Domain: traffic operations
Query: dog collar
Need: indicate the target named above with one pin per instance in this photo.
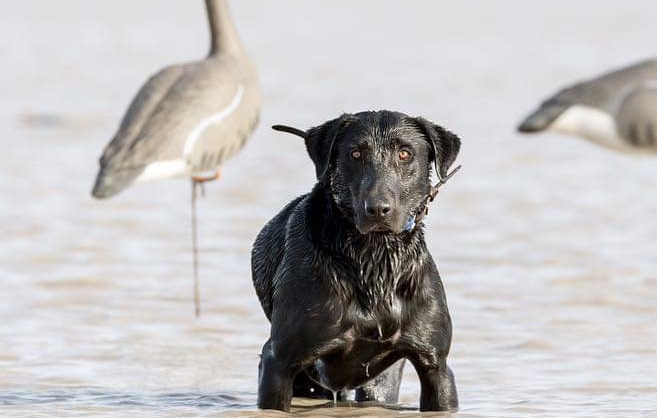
(413, 220)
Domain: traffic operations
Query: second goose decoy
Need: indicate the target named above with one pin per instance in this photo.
(617, 110)
(187, 120)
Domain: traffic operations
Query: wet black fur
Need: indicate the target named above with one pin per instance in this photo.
(348, 295)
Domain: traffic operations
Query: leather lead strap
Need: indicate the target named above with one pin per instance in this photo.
(433, 193)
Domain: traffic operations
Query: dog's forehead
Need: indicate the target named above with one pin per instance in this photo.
(380, 129)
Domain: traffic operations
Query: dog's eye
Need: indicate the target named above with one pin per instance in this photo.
(355, 154)
(405, 155)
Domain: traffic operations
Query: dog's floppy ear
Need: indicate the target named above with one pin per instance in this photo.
(444, 144)
(319, 141)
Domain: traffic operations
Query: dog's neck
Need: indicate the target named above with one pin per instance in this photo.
(384, 265)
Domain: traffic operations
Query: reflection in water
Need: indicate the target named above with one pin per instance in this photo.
(239, 404)
(80, 398)
(546, 244)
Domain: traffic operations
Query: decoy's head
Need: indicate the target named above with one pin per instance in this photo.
(377, 165)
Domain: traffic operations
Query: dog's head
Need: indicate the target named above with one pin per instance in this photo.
(378, 164)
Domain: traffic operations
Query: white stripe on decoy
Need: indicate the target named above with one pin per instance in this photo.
(193, 137)
(160, 170)
(617, 110)
(188, 119)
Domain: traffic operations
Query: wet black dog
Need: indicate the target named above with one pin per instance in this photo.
(344, 275)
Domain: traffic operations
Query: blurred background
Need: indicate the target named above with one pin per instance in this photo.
(546, 244)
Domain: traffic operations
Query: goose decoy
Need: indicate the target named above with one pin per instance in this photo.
(617, 110)
(187, 120)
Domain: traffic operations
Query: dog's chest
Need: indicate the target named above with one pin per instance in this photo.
(375, 323)
(380, 276)
(379, 267)
(365, 341)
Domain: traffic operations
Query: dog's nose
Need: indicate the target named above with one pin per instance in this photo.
(377, 209)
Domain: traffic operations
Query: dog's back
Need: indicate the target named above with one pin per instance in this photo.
(267, 254)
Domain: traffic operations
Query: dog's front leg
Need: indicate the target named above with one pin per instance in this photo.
(438, 391)
(275, 381)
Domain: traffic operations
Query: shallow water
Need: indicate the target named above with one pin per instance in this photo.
(546, 244)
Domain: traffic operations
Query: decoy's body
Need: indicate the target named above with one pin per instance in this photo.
(617, 110)
(188, 119)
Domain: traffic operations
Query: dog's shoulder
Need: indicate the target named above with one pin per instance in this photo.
(274, 231)
(268, 251)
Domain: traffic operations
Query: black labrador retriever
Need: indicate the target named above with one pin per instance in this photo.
(344, 275)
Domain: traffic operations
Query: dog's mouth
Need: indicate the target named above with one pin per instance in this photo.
(368, 227)
(380, 228)
(395, 225)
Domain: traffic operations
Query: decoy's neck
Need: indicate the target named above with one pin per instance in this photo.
(223, 36)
